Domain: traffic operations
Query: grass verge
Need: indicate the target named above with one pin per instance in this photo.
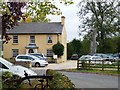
(95, 71)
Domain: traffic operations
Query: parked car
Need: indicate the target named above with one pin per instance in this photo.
(39, 55)
(14, 69)
(89, 57)
(116, 56)
(104, 56)
(94, 59)
(33, 59)
(74, 57)
(85, 57)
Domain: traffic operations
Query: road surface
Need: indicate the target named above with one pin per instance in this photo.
(83, 80)
(87, 80)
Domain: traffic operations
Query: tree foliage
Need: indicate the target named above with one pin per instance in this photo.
(100, 21)
(70, 50)
(100, 16)
(11, 14)
(58, 49)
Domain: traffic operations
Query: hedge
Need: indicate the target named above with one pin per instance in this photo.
(60, 81)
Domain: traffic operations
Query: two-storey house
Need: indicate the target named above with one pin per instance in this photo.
(36, 38)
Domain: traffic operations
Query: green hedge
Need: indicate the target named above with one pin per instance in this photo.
(60, 81)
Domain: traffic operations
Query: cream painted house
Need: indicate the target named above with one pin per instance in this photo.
(36, 38)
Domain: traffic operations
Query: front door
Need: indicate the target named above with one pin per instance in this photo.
(30, 51)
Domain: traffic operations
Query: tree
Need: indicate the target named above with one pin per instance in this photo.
(58, 49)
(70, 50)
(74, 47)
(85, 49)
(11, 14)
(99, 18)
(77, 46)
(109, 45)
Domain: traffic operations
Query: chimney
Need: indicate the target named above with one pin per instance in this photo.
(62, 20)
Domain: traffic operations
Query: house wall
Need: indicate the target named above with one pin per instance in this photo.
(41, 42)
(24, 40)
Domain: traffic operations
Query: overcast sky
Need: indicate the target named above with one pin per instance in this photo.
(71, 19)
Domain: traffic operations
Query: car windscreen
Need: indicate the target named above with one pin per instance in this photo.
(5, 61)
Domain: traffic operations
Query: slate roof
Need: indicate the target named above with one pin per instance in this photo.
(37, 28)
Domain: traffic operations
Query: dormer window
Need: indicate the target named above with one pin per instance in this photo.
(49, 39)
(32, 39)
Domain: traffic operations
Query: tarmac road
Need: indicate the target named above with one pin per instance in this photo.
(86, 81)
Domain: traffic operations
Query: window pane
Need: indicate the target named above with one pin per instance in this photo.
(49, 39)
(15, 52)
(32, 39)
(15, 39)
(49, 53)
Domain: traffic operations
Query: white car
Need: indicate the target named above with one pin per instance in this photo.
(40, 55)
(33, 59)
(94, 59)
(14, 69)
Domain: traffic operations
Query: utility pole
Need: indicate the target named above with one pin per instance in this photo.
(1, 36)
(2, 44)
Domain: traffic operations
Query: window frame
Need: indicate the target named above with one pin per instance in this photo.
(49, 53)
(32, 40)
(14, 55)
(49, 39)
(15, 39)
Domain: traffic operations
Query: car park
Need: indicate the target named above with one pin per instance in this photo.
(14, 69)
(33, 59)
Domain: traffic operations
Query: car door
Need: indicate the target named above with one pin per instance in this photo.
(31, 59)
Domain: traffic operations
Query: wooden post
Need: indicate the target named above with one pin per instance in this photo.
(102, 65)
(89, 65)
(78, 64)
(118, 65)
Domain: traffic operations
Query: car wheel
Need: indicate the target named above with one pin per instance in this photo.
(37, 64)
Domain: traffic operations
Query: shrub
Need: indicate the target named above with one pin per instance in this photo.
(60, 81)
(9, 81)
(58, 49)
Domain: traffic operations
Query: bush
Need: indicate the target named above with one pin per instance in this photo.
(60, 81)
(58, 49)
(9, 81)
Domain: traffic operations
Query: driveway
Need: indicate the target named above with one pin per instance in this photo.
(65, 65)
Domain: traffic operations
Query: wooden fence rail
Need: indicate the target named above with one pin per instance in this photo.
(99, 64)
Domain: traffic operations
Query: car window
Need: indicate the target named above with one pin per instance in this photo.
(30, 58)
(39, 55)
(22, 57)
(95, 57)
(19, 57)
(3, 66)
